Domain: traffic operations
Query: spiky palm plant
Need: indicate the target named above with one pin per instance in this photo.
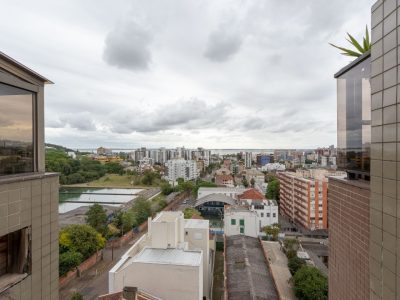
(366, 45)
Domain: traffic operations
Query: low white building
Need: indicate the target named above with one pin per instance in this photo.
(240, 220)
(273, 167)
(230, 192)
(267, 212)
(180, 168)
(171, 261)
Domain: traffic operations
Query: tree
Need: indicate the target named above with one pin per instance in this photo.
(272, 231)
(114, 168)
(310, 284)
(245, 182)
(273, 189)
(291, 253)
(166, 188)
(149, 177)
(96, 217)
(189, 212)
(141, 210)
(294, 264)
(124, 220)
(252, 182)
(80, 238)
(69, 260)
(76, 296)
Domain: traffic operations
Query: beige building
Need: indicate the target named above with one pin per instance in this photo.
(385, 152)
(173, 260)
(28, 196)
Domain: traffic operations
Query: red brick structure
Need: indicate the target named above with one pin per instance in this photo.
(348, 211)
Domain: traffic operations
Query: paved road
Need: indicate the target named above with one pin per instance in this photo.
(94, 282)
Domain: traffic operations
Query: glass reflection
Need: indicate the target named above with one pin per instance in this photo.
(354, 118)
(16, 130)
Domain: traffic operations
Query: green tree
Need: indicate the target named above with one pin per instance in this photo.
(69, 260)
(166, 188)
(291, 253)
(124, 220)
(294, 264)
(96, 217)
(141, 210)
(114, 168)
(252, 182)
(310, 284)
(186, 186)
(359, 49)
(83, 239)
(245, 182)
(272, 231)
(273, 190)
(149, 178)
(189, 212)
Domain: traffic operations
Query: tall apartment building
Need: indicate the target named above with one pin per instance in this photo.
(304, 199)
(180, 168)
(348, 199)
(28, 195)
(385, 152)
(248, 159)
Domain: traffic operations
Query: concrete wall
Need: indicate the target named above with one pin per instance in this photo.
(198, 239)
(385, 152)
(33, 203)
(178, 282)
(348, 239)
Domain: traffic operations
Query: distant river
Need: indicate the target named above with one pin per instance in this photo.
(88, 196)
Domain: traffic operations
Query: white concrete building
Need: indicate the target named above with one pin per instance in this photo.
(173, 260)
(230, 192)
(240, 220)
(267, 212)
(248, 159)
(180, 168)
(273, 167)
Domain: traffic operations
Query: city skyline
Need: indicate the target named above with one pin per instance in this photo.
(220, 76)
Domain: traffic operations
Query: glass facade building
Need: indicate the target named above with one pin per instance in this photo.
(354, 117)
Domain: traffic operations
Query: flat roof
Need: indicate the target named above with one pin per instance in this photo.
(353, 63)
(168, 256)
(23, 67)
(223, 189)
(248, 276)
(197, 223)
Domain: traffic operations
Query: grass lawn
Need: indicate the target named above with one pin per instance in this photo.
(115, 180)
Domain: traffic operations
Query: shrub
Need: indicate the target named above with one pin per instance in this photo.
(294, 264)
(189, 212)
(310, 284)
(96, 217)
(76, 296)
(291, 253)
(81, 238)
(69, 260)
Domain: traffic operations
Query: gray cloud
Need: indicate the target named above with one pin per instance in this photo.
(222, 44)
(184, 114)
(82, 121)
(127, 46)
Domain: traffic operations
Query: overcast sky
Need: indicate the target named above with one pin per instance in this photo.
(217, 74)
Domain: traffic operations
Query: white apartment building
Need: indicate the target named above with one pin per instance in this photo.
(267, 212)
(248, 159)
(171, 261)
(180, 168)
(273, 167)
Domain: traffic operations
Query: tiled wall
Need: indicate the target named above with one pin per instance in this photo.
(348, 209)
(34, 202)
(385, 152)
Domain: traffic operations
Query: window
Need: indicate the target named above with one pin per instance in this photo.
(233, 221)
(16, 130)
(15, 262)
(268, 214)
(262, 215)
(241, 230)
(274, 215)
(242, 222)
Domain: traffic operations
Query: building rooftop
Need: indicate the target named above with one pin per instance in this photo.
(215, 197)
(236, 190)
(248, 276)
(197, 223)
(168, 256)
(252, 194)
(167, 216)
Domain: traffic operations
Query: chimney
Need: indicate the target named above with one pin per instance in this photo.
(130, 293)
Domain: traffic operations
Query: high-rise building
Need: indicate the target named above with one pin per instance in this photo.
(304, 199)
(349, 214)
(248, 159)
(180, 168)
(28, 195)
